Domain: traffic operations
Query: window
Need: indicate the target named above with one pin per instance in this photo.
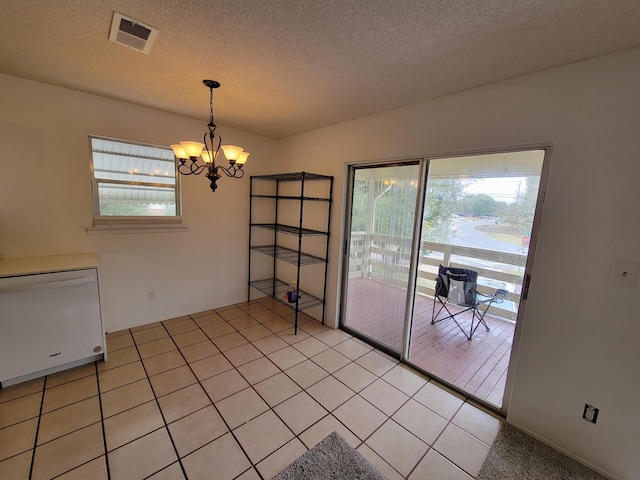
(134, 186)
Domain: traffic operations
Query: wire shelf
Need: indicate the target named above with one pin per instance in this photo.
(289, 230)
(292, 177)
(292, 197)
(278, 289)
(267, 200)
(287, 255)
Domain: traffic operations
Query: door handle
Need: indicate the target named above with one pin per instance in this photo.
(45, 285)
(525, 286)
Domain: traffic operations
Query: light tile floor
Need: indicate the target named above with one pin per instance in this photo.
(232, 393)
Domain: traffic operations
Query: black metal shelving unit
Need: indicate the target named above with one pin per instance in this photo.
(273, 286)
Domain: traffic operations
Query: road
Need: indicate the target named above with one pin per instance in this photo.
(465, 234)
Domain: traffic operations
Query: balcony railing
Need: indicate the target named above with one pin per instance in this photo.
(386, 258)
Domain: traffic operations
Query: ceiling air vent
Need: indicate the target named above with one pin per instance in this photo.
(131, 33)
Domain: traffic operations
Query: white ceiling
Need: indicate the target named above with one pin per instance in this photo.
(288, 66)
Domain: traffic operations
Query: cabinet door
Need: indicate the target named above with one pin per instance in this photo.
(48, 320)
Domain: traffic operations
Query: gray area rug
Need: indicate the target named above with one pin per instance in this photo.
(332, 458)
(517, 456)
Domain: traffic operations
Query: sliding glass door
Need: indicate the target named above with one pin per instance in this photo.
(383, 205)
(474, 213)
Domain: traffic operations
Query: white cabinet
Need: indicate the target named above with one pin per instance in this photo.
(49, 320)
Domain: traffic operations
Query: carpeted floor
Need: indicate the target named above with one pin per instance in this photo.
(517, 456)
(331, 459)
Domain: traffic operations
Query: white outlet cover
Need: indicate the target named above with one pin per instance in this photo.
(624, 273)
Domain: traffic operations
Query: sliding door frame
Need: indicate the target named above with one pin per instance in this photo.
(424, 162)
(351, 169)
(414, 259)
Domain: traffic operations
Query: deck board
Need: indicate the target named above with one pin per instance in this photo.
(478, 367)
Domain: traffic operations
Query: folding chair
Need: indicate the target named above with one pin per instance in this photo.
(459, 287)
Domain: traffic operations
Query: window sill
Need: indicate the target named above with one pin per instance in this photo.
(118, 225)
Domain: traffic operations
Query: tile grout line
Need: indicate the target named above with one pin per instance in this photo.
(272, 408)
(104, 433)
(35, 440)
(253, 466)
(389, 417)
(252, 387)
(358, 394)
(432, 447)
(329, 347)
(263, 355)
(212, 404)
(155, 397)
(68, 433)
(466, 399)
(88, 461)
(236, 368)
(329, 413)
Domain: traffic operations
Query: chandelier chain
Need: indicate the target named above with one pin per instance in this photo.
(211, 104)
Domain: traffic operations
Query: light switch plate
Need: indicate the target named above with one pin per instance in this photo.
(624, 273)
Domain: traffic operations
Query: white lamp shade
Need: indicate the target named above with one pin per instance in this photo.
(193, 149)
(179, 151)
(242, 158)
(232, 152)
(207, 156)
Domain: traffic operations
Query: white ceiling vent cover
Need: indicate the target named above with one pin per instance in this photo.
(131, 33)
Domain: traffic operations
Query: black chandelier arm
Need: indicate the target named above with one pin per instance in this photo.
(211, 137)
(233, 171)
(191, 169)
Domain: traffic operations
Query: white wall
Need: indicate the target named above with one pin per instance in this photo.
(580, 334)
(46, 203)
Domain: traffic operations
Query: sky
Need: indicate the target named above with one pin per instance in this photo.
(503, 189)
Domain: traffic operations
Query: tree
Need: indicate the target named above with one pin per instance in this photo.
(360, 204)
(395, 209)
(519, 215)
(441, 203)
(392, 205)
(478, 205)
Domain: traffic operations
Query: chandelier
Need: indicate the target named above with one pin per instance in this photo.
(188, 151)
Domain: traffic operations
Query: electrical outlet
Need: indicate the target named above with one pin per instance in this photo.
(590, 413)
(624, 274)
(151, 295)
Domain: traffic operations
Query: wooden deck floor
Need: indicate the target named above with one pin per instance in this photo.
(478, 367)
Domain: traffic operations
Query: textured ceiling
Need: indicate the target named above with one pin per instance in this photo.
(288, 66)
